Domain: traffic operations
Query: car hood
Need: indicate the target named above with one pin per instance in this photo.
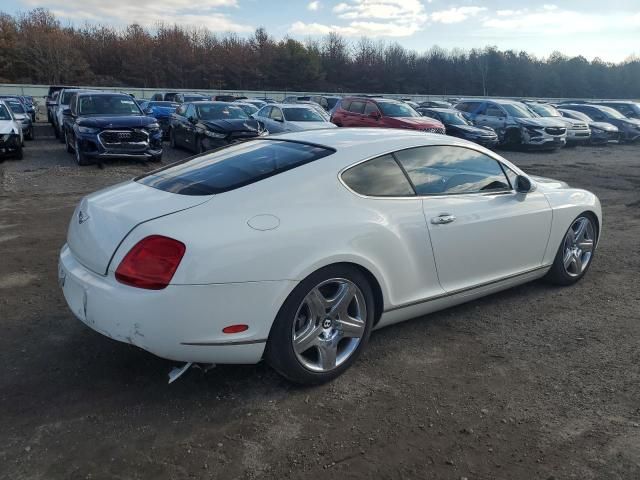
(541, 122)
(413, 122)
(233, 125)
(310, 125)
(545, 184)
(471, 129)
(126, 121)
(8, 126)
(632, 121)
(569, 122)
(607, 127)
(21, 116)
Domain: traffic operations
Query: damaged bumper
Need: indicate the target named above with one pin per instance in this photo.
(180, 322)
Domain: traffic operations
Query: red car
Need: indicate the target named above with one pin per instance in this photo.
(382, 112)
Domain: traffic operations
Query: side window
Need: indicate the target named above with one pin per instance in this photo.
(181, 110)
(494, 111)
(511, 175)
(380, 177)
(191, 111)
(370, 108)
(276, 114)
(447, 170)
(73, 104)
(463, 107)
(345, 105)
(356, 106)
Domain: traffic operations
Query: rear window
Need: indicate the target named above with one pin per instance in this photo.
(233, 167)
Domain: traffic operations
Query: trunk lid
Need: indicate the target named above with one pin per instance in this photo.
(103, 219)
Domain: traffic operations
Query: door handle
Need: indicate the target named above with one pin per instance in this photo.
(443, 219)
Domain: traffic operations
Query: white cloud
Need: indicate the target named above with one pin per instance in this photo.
(373, 18)
(456, 14)
(200, 13)
(314, 6)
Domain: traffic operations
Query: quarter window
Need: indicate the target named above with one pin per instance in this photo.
(440, 170)
(276, 114)
(380, 177)
(370, 108)
(493, 111)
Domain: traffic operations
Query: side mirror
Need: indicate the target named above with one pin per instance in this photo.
(375, 115)
(148, 111)
(523, 184)
(66, 112)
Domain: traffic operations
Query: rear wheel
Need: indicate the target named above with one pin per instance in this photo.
(323, 326)
(67, 142)
(512, 137)
(18, 155)
(575, 252)
(156, 158)
(172, 139)
(30, 136)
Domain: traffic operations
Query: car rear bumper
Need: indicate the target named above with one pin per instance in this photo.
(180, 322)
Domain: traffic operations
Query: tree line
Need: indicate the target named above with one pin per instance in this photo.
(36, 48)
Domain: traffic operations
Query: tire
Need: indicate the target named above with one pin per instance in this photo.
(156, 158)
(57, 134)
(31, 135)
(81, 158)
(67, 143)
(512, 138)
(172, 139)
(19, 154)
(199, 146)
(576, 251)
(327, 341)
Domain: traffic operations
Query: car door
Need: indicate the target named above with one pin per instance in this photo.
(355, 115)
(190, 127)
(277, 120)
(481, 229)
(491, 115)
(178, 120)
(371, 116)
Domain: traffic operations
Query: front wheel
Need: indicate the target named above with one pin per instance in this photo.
(172, 139)
(81, 158)
(575, 252)
(323, 326)
(19, 155)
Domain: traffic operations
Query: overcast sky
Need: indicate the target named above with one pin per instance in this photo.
(607, 29)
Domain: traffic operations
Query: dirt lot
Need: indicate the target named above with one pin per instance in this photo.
(538, 382)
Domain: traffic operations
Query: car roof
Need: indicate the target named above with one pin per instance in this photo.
(441, 109)
(369, 141)
(101, 92)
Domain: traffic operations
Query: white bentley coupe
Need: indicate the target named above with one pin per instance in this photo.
(294, 248)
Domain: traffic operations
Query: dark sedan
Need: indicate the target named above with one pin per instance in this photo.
(104, 125)
(458, 126)
(161, 111)
(629, 127)
(202, 126)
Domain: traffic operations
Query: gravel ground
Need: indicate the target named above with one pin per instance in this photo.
(537, 382)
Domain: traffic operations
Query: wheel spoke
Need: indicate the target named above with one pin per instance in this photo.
(339, 304)
(350, 327)
(328, 352)
(577, 258)
(585, 245)
(582, 228)
(307, 339)
(568, 259)
(317, 304)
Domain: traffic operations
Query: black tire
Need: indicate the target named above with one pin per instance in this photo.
(172, 139)
(19, 154)
(558, 273)
(199, 146)
(512, 138)
(31, 135)
(81, 158)
(279, 351)
(56, 133)
(67, 143)
(156, 158)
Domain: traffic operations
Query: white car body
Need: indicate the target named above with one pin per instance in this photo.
(286, 125)
(10, 127)
(248, 248)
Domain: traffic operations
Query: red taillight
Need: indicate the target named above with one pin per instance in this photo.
(151, 263)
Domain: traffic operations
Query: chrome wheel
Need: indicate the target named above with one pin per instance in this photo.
(329, 324)
(578, 246)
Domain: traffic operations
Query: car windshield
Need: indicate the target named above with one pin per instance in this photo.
(299, 114)
(577, 115)
(4, 113)
(516, 110)
(233, 167)
(397, 109)
(213, 111)
(544, 110)
(107, 105)
(331, 102)
(248, 108)
(16, 106)
(163, 104)
(66, 98)
(452, 118)
(611, 112)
